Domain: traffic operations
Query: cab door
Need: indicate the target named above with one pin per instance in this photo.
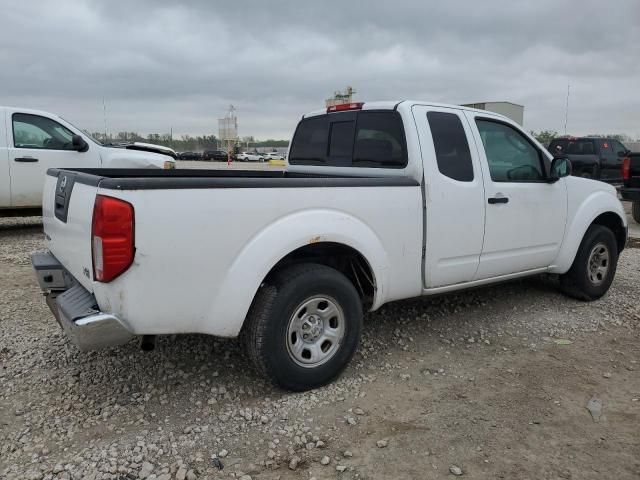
(525, 214)
(5, 181)
(610, 163)
(454, 196)
(37, 143)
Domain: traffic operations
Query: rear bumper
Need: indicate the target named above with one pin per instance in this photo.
(630, 194)
(76, 309)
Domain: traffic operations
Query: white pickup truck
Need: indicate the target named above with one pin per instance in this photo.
(379, 202)
(32, 141)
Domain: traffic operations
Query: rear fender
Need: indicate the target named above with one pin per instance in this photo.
(263, 251)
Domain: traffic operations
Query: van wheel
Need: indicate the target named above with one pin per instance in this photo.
(594, 267)
(303, 326)
(635, 211)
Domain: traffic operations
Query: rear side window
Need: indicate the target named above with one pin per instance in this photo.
(366, 139)
(451, 146)
(572, 147)
(380, 141)
(309, 146)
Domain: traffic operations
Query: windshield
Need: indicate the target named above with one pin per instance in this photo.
(84, 132)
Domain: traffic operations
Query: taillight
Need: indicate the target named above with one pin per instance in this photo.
(112, 237)
(345, 106)
(626, 168)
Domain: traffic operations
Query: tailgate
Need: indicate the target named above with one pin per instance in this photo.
(634, 173)
(67, 212)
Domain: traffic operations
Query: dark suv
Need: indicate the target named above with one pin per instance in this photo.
(592, 157)
(216, 155)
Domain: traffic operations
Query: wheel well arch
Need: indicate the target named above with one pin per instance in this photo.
(347, 260)
(614, 223)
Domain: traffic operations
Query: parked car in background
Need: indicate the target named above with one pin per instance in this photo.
(362, 216)
(249, 157)
(273, 156)
(592, 157)
(32, 141)
(215, 155)
(189, 156)
(630, 190)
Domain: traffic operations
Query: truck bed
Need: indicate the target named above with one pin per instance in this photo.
(205, 239)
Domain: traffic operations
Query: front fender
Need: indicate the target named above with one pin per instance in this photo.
(270, 245)
(594, 205)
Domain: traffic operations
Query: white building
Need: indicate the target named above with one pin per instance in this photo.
(510, 110)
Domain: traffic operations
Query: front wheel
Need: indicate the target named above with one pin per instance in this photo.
(594, 267)
(304, 326)
(635, 211)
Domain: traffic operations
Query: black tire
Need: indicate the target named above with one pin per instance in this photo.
(266, 330)
(580, 281)
(635, 211)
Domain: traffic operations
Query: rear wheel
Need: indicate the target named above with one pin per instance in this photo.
(635, 211)
(304, 326)
(594, 267)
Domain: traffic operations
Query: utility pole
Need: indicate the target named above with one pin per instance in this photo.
(104, 116)
(566, 110)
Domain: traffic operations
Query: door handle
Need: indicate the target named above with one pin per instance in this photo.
(25, 159)
(494, 200)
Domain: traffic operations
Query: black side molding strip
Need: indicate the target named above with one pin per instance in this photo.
(151, 179)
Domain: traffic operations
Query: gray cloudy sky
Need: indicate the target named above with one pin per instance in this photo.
(162, 64)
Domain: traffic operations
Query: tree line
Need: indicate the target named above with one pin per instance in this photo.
(184, 143)
(188, 143)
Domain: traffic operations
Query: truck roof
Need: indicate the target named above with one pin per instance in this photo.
(31, 111)
(393, 105)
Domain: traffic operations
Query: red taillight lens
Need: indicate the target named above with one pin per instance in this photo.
(626, 168)
(112, 234)
(345, 106)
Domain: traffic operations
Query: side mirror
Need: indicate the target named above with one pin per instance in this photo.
(79, 144)
(560, 167)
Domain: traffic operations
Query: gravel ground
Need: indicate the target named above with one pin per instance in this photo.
(491, 383)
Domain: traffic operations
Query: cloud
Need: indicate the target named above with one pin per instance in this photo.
(162, 65)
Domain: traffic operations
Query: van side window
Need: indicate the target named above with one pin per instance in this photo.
(452, 148)
(34, 131)
(511, 157)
